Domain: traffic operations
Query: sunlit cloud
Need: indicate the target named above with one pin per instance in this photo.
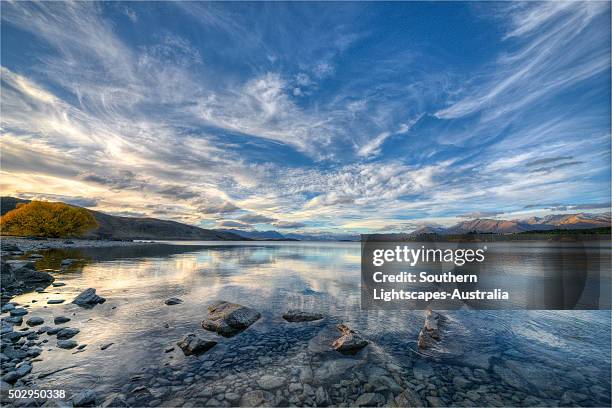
(339, 129)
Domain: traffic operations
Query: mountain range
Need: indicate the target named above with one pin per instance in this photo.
(549, 222)
(128, 228)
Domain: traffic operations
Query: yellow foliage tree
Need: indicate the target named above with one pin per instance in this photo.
(45, 219)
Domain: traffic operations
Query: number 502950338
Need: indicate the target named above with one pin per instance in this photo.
(15, 394)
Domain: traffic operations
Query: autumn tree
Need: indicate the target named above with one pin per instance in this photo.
(45, 219)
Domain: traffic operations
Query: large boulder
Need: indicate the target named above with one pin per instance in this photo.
(430, 333)
(7, 276)
(22, 275)
(88, 298)
(194, 344)
(350, 342)
(229, 319)
(301, 316)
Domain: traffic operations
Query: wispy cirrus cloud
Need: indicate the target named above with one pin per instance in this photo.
(304, 133)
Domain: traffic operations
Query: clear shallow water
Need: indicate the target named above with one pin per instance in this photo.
(521, 358)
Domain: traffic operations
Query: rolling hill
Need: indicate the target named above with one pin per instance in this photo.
(129, 228)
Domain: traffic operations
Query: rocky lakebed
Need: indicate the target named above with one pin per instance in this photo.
(123, 341)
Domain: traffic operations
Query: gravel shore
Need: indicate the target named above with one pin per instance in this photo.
(28, 244)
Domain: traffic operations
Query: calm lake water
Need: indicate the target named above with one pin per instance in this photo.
(502, 358)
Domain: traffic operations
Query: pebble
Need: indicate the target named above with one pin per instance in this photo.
(35, 321)
(61, 319)
(67, 333)
(66, 344)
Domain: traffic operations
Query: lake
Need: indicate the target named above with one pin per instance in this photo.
(493, 358)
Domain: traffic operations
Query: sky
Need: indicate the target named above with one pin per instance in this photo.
(308, 117)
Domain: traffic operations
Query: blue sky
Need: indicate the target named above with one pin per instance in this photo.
(313, 117)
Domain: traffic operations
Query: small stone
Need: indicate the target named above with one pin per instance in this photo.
(85, 398)
(66, 344)
(301, 316)
(232, 398)
(114, 400)
(270, 382)
(55, 301)
(67, 333)
(194, 344)
(173, 301)
(370, 399)
(61, 319)
(34, 352)
(19, 311)
(105, 346)
(8, 307)
(35, 321)
(58, 284)
(257, 398)
(461, 382)
(350, 342)
(88, 298)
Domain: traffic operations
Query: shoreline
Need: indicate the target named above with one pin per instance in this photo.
(30, 244)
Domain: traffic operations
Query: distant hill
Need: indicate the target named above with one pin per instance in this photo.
(129, 228)
(550, 222)
(257, 235)
(10, 203)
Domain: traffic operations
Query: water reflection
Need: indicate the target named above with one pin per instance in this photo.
(539, 347)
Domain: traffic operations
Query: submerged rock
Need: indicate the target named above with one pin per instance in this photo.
(88, 298)
(55, 301)
(350, 342)
(408, 398)
(114, 400)
(257, 398)
(370, 399)
(430, 333)
(270, 382)
(173, 301)
(85, 398)
(229, 319)
(301, 316)
(194, 344)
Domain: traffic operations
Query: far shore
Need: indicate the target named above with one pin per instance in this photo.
(26, 244)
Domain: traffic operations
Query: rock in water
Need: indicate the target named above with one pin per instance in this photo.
(20, 311)
(257, 398)
(270, 382)
(66, 344)
(370, 400)
(173, 301)
(88, 298)
(350, 342)
(67, 333)
(84, 399)
(61, 319)
(430, 333)
(408, 398)
(194, 344)
(35, 321)
(301, 316)
(229, 319)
